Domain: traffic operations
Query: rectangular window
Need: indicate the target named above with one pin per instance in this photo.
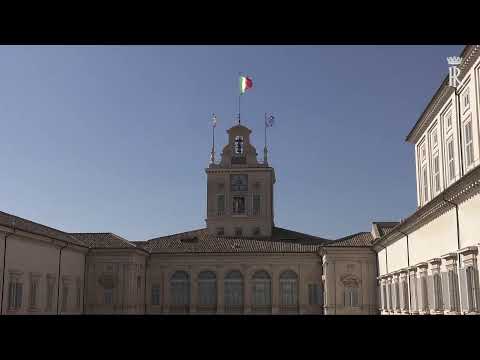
(50, 292)
(15, 294)
(351, 296)
(437, 292)
(466, 100)
(314, 294)
(435, 138)
(423, 153)
(448, 121)
(436, 173)
(108, 296)
(405, 295)
(156, 295)
(413, 291)
(65, 297)
(423, 293)
(425, 184)
(34, 286)
(78, 301)
(256, 204)
(468, 144)
(139, 284)
(220, 205)
(472, 289)
(220, 231)
(453, 290)
(451, 161)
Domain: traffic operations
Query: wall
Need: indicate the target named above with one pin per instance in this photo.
(118, 270)
(307, 267)
(342, 264)
(31, 256)
(469, 220)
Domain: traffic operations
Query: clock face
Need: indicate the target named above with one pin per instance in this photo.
(239, 182)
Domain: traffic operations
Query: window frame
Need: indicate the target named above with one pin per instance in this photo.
(468, 145)
(451, 160)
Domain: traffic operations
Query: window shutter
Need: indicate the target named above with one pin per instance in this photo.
(19, 296)
(445, 291)
(11, 295)
(413, 291)
(463, 290)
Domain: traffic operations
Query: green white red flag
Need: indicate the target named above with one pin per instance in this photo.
(246, 83)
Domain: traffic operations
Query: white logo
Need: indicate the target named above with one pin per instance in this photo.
(453, 70)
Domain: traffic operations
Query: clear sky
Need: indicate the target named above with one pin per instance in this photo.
(116, 138)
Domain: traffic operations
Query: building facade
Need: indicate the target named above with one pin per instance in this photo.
(242, 263)
(428, 263)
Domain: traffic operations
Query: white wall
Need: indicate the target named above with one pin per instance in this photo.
(382, 264)
(397, 255)
(434, 239)
(469, 220)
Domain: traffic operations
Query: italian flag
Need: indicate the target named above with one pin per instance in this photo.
(245, 84)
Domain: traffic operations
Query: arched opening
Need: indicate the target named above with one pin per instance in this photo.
(288, 292)
(262, 292)
(233, 292)
(207, 292)
(180, 292)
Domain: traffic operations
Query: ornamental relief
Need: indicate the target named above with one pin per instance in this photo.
(108, 280)
(350, 280)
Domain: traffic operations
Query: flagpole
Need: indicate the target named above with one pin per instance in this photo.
(239, 96)
(212, 157)
(265, 148)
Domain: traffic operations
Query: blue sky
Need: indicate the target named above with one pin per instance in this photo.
(116, 138)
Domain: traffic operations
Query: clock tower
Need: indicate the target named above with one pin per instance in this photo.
(240, 190)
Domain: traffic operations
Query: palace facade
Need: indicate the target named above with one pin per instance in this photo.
(242, 263)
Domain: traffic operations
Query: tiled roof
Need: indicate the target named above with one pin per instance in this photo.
(199, 241)
(385, 227)
(356, 240)
(19, 223)
(104, 240)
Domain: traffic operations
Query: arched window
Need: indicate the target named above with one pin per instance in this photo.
(180, 292)
(233, 295)
(288, 291)
(262, 292)
(207, 291)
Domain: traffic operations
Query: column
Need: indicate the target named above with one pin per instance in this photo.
(330, 285)
(275, 291)
(220, 290)
(166, 291)
(247, 291)
(193, 290)
(364, 299)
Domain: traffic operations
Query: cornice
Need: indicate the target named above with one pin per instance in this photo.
(469, 54)
(466, 186)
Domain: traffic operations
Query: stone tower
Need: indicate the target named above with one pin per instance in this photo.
(240, 190)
